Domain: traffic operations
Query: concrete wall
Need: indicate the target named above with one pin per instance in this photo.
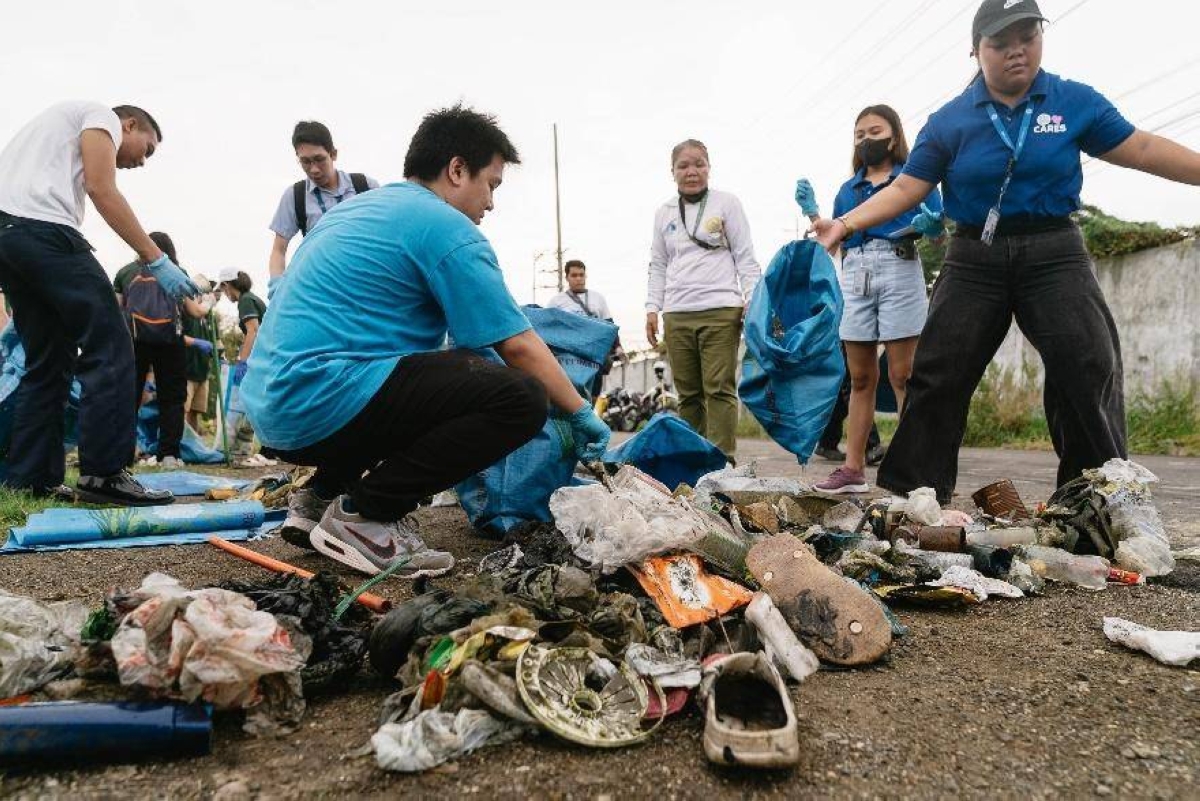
(1154, 297)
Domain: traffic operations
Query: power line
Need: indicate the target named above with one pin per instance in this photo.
(1157, 78)
(1067, 13)
(936, 58)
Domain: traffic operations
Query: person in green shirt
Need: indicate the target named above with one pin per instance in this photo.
(250, 308)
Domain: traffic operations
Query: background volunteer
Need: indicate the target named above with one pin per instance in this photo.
(702, 272)
(578, 299)
(1015, 250)
(250, 310)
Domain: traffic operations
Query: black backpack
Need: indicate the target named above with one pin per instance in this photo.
(300, 193)
(153, 314)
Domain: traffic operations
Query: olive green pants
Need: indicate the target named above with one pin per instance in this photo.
(703, 349)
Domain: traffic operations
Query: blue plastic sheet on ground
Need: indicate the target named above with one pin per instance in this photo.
(271, 520)
(793, 365)
(517, 489)
(192, 449)
(670, 450)
(59, 526)
(183, 482)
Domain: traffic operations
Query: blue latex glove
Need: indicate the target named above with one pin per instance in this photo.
(172, 279)
(590, 434)
(239, 372)
(806, 198)
(202, 345)
(928, 223)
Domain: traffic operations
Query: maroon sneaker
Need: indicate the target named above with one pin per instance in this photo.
(844, 480)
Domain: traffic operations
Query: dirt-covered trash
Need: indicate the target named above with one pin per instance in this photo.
(434, 737)
(780, 643)
(1177, 648)
(38, 642)
(749, 718)
(685, 592)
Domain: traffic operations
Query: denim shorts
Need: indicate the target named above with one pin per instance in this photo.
(894, 305)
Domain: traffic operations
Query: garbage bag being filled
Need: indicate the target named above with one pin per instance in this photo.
(793, 366)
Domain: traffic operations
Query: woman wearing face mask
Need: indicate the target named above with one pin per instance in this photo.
(882, 281)
(702, 271)
(1007, 154)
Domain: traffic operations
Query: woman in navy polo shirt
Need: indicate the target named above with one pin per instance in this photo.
(1007, 153)
(882, 281)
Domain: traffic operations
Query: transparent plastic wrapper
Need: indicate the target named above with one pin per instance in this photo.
(633, 521)
(920, 506)
(743, 480)
(1177, 648)
(38, 642)
(434, 737)
(977, 584)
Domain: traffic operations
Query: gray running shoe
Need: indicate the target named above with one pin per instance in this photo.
(305, 508)
(354, 540)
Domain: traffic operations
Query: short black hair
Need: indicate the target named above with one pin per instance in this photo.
(456, 131)
(141, 117)
(165, 245)
(573, 263)
(311, 132)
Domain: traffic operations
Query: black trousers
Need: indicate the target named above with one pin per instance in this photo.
(832, 435)
(1047, 282)
(169, 361)
(439, 418)
(67, 316)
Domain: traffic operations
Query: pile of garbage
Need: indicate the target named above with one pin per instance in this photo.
(636, 601)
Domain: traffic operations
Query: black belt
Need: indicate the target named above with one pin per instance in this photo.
(1017, 226)
(904, 247)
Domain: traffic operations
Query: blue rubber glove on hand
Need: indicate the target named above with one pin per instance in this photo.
(172, 279)
(806, 198)
(202, 345)
(590, 434)
(928, 223)
(239, 372)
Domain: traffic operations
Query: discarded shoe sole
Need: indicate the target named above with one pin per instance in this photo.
(749, 719)
(833, 617)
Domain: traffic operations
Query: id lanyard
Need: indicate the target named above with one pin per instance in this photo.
(993, 216)
(321, 202)
(696, 225)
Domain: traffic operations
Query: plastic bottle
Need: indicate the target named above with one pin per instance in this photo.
(1051, 563)
(1003, 537)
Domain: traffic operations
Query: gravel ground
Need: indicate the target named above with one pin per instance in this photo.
(1010, 698)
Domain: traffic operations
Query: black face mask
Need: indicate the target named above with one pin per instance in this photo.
(873, 152)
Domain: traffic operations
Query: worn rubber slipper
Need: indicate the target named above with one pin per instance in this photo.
(834, 617)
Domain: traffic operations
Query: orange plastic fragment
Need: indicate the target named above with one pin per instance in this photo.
(685, 593)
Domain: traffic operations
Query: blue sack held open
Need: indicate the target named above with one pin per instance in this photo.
(670, 450)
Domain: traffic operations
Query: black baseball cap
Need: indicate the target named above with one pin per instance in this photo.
(994, 16)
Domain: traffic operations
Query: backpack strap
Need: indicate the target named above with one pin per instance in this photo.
(359, 181)
(300, 199)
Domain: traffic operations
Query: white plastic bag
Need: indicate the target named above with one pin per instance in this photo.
(434, 737)
(920, 506)
(1142, 544)
(976, 583)
(38, 642)
(1176, 648)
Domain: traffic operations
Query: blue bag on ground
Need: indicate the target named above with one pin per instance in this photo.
(517, 489)
(192, 449)
(12, 370)
(670, 450)
(793, 366)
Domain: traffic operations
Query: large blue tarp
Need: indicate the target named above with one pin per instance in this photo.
(670, 450)
(271, 520)
(517, 489)
(793, 366)
(59, 526)
(183, 482)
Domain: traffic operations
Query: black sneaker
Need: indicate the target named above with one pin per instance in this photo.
(60, 492)
(121, 489)
(832, 454)
(875, 455)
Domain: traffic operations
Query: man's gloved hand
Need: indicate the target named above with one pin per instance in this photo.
(239, 372)
(172, 279)
(590, 434)
(202, 345)
(806, 198)
(928, 223)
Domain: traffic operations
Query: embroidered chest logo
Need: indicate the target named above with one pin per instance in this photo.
(1050, 123)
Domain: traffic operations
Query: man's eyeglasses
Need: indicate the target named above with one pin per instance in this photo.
(309, 161)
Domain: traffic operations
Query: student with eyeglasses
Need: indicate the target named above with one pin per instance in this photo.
(702, 273)
(324, 186)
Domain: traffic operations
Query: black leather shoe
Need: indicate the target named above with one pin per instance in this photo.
(832, 454)
(875, 455)
(59, 493)
(121, 489)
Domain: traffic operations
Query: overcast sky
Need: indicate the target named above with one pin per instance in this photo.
(771, 87)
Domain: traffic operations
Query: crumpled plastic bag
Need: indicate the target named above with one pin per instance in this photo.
(633, 522)
(1176, 648)
(38, 641)
(211, 645)
(977, 584)
(434, 737)
(667, 670)
(744, 479)
(921, 506)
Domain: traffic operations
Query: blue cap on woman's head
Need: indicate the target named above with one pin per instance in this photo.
(994, 16)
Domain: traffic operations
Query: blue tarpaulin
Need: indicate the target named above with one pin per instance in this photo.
(271, 520)
(793, 366)
(184, 482)
(73, 525)
(670, 450)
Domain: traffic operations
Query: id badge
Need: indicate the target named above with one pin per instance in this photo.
(989, 226)
(861, 285)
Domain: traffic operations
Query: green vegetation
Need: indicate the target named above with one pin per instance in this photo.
(1167, 421)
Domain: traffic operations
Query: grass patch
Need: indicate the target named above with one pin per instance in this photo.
(1167, 421)
(1006, 411)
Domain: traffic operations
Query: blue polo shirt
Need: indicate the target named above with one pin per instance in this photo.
(386, 276)
(858, 189)
(961, 149)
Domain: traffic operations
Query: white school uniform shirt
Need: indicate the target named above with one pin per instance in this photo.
(596, 305)
(41, 168)
(686, 277)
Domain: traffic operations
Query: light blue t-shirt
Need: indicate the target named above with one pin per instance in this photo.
(386, 276)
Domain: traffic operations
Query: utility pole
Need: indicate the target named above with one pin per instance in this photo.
(558, 213)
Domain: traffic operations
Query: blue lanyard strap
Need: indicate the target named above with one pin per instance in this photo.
(1026, 124)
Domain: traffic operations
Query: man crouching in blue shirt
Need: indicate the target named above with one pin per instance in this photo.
(350, 373)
